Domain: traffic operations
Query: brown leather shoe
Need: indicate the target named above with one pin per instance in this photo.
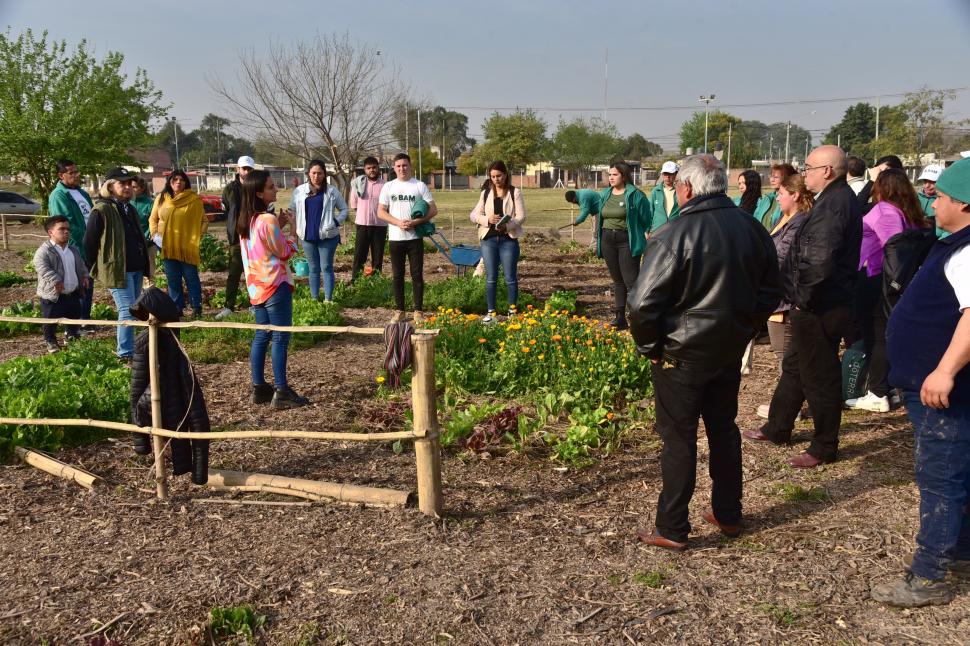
(756, 436)
(657, 540)
(731, 531)
(804, 460)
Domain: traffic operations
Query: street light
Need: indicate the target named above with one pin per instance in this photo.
(706, 100)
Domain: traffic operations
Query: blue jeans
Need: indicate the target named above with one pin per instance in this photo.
(124, 299)
(943, 478)
(319, 255)
(87, 299)
(278, 310)
(505, 250)
(175, 271)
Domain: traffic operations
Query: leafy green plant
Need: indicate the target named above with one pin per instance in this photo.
(650, 579)
(103, 312)
(365, 291)
(86, 380)
(236, 621)
(784, 617)
(467, 293)
(9, 279)
(562, 301)
(24, 309)
(460, 423)
(213, 253)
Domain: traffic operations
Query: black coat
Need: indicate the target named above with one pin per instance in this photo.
(825, 254)
(183, 405)
(783, 239)
(709, 282)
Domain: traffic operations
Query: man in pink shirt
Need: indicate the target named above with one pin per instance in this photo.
(369, 231)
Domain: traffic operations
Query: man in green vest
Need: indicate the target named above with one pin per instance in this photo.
(663, 198)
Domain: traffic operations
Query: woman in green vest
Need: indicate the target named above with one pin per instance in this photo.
(621, 235)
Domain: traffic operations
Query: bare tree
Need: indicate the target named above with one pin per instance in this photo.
(329, 98)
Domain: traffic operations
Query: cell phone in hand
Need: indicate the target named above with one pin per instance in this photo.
(502, 221)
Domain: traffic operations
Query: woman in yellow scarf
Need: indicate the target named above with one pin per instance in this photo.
(176, 225)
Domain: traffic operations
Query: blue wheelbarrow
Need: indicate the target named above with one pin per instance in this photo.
(461, 256)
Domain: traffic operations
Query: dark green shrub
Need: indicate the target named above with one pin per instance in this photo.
(214, 254)
(9, 279)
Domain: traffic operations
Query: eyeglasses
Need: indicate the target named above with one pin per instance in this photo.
(805, 170)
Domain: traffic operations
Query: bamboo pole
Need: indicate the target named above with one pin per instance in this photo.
(427, 450)
(215, 435)
(56, 467)
(3, 226)
(161, 485)
(334, 490)
(63, 321)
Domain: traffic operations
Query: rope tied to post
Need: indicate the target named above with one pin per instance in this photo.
(397, 354)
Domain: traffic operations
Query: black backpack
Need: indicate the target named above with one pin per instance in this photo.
(903, 255)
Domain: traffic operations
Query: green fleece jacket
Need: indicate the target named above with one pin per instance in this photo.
(589, 204)
(638, 217)
(659, 210)
(60, 202)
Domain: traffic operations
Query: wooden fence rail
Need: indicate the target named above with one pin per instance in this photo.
(427, 448)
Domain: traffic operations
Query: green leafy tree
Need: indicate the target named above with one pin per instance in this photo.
(517, 139)
(636, 146)
(171, 132)
(436, 123)
(582, 143)
(469, 163)
(426, 162)
(57, 103)
(855, 131)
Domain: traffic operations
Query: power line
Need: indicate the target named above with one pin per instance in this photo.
(659, 108)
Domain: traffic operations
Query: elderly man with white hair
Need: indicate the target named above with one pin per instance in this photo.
(709, 282)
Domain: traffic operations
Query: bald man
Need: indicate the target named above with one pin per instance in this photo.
(825, 258)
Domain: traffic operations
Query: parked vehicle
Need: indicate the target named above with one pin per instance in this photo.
(15, 204)
(213, 207)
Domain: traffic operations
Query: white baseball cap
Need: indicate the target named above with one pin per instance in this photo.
(931, 173)
(246, 161)
(669, 167)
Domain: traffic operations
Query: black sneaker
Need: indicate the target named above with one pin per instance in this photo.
(262, 394)
(52, 347)
(287, 398)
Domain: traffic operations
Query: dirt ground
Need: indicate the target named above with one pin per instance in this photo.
(527, 552)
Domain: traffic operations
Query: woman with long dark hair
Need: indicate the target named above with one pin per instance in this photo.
(265, 251)
(749, 183)
(178, 220)
(625, 216)
(318, 226)
(895, 208)
(499, 215)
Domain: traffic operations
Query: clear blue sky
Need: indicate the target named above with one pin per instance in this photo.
(550, 54)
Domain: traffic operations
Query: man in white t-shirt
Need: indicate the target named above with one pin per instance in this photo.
(406, 203)
(928, 347)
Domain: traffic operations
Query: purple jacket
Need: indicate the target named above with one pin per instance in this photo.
(878, 225)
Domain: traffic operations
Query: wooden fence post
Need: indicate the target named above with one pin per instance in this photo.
(161, 485)
(3, 225)
(427, 450)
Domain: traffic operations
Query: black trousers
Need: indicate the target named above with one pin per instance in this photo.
(368, 238)
(235, 273)
(66, 306)
(871, 318)
(811, 370)
(683, 396)
(624, 268)
(413, 252)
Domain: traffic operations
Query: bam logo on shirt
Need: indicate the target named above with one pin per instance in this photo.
(403, 198)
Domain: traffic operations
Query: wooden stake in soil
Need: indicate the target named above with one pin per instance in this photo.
(161, 485)
(427, 450)
(3, 225)
(58, 468)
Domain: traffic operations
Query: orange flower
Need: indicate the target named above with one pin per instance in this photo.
(526, 349)
(483, 340)
(557, 337)
(532, 341)
(610, 416)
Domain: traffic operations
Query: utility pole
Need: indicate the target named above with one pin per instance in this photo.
(877, 128)
(771, 146)
(175, 130)
(729, 147)
(706, 100)
(787, 135)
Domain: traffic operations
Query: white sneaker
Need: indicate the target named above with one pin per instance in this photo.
(869, 402)
(489, 318)
(223, 313)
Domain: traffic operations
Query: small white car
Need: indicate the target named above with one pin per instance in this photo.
(15, 204)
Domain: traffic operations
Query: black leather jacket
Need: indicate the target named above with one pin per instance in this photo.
(709, 282)
(825, 255)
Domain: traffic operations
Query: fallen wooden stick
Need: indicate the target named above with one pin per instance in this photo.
(266, 503)
(57, 468)
(103, 627)
(334, 490)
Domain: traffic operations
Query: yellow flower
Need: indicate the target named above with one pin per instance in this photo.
(379, 379)
(541, 357)
(526, 349)
(591, 369)
(552, 327)
(483, 340)
(471, 317)
(515, 326)
(532, 321)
